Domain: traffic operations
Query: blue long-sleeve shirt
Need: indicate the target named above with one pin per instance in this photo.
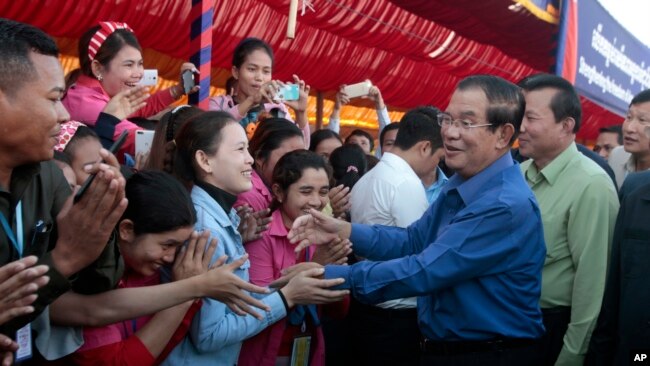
(474, 259)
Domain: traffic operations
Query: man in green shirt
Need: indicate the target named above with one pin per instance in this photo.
(579, 204)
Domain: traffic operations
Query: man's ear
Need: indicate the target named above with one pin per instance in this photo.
(505, 133)
(424, 148)
(125, 230)
(568, 124)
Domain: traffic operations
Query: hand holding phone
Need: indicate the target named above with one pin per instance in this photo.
(358, 90)
(287, 92)
(188, 81)
(114, 148)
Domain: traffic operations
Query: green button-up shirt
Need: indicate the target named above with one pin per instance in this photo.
(579, 206)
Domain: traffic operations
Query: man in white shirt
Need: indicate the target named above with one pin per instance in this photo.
(392, 194)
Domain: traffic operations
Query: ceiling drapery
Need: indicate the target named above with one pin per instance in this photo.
(415, 52)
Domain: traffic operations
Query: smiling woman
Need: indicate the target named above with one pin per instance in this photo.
(110, 59)
(301, 181)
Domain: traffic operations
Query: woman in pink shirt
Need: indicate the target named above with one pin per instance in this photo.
(110, 60)
(273, 138)
(255, 93)
(300, 182)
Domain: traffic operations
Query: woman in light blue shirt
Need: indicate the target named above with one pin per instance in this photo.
(212, 153)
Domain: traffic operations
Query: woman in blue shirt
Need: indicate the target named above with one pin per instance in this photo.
(212, 153)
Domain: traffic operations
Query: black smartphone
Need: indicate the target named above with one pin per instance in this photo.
(116, 146)
(188, 81)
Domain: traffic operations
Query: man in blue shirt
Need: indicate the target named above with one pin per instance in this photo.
(475, 257)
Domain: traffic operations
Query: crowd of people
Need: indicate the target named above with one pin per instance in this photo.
(273, 245)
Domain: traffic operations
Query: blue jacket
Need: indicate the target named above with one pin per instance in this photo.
(216, 333)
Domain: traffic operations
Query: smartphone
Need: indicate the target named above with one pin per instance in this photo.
(114, 148)
(149, 78)
(287, 92)
(358, 90)
(188, 81)
(143, 140)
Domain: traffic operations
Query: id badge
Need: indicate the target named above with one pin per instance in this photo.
(300, 351)
(24, 340)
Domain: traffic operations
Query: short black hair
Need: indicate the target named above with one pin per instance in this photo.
(617, 129)
(388, 127)
(362, 133)
(642, 97)
(506, 101)
(157, 203)
(565, 103)
(419, 124)
(17, 40)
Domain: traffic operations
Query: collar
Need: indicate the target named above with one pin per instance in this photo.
(442, 179)
(223, 198)
(396, 162)
(91, 83)
(552, 171)
(20, 178)
(277, 227)
(471, 188)
(258, 184)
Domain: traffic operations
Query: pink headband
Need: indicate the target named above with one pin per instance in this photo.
(68, 129)
(105, 30)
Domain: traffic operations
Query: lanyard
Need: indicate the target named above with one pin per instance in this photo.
(16, 240)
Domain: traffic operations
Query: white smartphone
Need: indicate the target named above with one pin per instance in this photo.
(358, 90)
(149, 78)
(143, 140)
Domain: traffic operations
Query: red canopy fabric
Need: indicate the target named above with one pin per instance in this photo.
(343, 41)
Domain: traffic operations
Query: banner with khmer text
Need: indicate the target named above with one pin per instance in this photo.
(604, 61)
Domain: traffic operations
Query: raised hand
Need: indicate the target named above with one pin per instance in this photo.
(317, 228)
(127, 102)
(340, 200)
(299, 105)
(188, 66)
(335, 252)
(341, 98)
(193, 259)
(252, 224)
(307, 288)
(86, 226)
(291, 272)
(222, 284)
(19, 281)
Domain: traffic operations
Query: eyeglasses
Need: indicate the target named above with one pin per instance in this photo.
(446, 120)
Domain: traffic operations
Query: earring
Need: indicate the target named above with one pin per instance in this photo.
(100, 78)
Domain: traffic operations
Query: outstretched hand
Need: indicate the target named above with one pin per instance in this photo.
(222, 284)
(127, 102)
(253, 223)
(308, 287)
(19, 281)
(317, 228)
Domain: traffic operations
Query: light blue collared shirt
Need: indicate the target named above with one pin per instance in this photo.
(433, 191)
